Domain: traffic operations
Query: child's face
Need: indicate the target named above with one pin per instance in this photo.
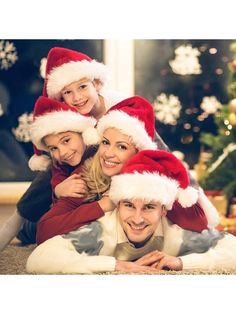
(114, 150)
(139, 218)
(66, 147)
(82, 94)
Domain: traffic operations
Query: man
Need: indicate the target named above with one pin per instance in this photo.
(137, 237)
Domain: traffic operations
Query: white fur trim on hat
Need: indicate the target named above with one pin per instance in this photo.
(90, 136)
(187, 197)
(57, 122)
(73, 71)
(149, 186)
(128, 125)
(39, 163)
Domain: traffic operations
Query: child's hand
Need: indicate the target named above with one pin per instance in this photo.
(72, 186)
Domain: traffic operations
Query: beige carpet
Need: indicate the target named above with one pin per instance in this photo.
(13, 260)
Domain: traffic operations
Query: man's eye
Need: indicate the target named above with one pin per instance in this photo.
(149, 207)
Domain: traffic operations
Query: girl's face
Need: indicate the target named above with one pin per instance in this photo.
(114, 150)
(82, 94)
(66, 147)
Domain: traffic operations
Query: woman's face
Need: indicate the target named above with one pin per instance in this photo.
(66, 147)
(114, 150)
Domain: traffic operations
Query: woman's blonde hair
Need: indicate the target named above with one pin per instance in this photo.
(97, 182)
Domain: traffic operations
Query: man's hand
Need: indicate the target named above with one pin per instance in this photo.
(73, 186)
(133, 267)
(160, 260)
(169, 262)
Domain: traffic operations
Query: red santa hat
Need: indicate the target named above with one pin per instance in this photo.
(65, 66)
(134, 117)
(154, 175)
(51, 117)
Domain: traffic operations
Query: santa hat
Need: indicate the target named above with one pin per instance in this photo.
(51, 117)
(65, 66)
(134, 117)
(154, 175)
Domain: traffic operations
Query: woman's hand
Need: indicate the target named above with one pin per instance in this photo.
(73, 186)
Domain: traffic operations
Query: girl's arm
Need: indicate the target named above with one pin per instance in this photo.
(67, 214)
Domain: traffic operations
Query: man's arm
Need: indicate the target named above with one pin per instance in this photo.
(59, 256)
(222, 256)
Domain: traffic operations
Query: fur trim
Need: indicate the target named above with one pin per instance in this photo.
(72, 72)
(187, 197)
(128, 125)
(39, 163)
(90, 136)
(150, 186)
(57, 122)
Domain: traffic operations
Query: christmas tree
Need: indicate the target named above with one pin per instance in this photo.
(221, 167)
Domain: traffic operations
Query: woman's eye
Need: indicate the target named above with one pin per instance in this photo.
(105, 142)
(67, 92)
(129, 205)
(123, 147)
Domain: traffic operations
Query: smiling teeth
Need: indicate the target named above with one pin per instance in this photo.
(137, 228)
(110, 163)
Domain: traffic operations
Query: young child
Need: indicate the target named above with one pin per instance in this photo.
(79, 81)
(57, 129)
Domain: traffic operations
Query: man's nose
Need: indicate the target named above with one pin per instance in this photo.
(138, 217)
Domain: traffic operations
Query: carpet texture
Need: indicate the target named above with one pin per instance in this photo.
(13, 260)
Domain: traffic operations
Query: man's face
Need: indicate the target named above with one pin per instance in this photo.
(139, 218)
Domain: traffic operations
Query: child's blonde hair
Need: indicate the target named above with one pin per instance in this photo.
(97, 182)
